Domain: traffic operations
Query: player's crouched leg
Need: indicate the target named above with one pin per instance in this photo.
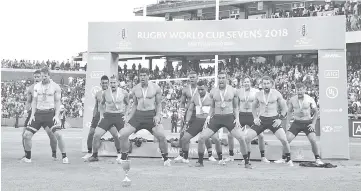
(158, 132)
(61, 143)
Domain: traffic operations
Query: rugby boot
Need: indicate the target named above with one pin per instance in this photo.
(119, 157)
(53, 156)
(280, 161)
(211, 158)
(198, 164)
(249, 166)
(222, 162)
(26, 160)
(167, 163)
(186, 161)
(92, 159)
(86, 156)
(319, 162)
(290, 163)
(65, 160)
(229, 159)
(178, 159)
(265, 160)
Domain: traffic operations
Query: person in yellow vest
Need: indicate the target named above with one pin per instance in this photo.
(45, 112)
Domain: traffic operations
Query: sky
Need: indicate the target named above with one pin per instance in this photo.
(56, 30)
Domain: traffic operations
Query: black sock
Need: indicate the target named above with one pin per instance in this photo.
(28, 154)
(249, 155)
(283, 156)
(262, 153)
(210, 153)
(165, 156)
(220, 156)
(63, 155)
(185, 154)
(95, 154)
(231, 153)
(317, 157)
(288, 157)
(181, 153)
(125, 156)
(89, 150)
(246, 159)
(53, 154)
(118, 151)
(200, 157)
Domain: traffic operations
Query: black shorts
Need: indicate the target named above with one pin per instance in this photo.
(143, 120)
(27, 118)
(111, 119)
(43, 118)
(300, 125)
(192, 118)
(219, 121)
(196, 126)
(246, 118)
(95, 121)
(266, 123)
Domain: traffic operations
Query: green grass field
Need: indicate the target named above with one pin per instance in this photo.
(149, 174)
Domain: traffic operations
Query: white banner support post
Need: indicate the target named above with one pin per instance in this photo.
(216, 65)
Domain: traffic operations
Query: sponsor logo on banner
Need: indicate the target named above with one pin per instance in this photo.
(331, 129)
(332, 74)
(331, 92)
(124, 44)
(303, 41)
(356, 129)
(96, 74)
(335, 110)
(95, 89)
(333, 55)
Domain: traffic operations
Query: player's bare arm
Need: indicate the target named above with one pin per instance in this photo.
(213, 104)
(95, 110)
(135, 103)
(314, 110)
(235, 107)
(282, 103)
(34, 103)
(29, 99)
(158, 103)
(255, 105)
(102, 105)
(190, 112)
(57, 101)
(183, 99)
(290, 112)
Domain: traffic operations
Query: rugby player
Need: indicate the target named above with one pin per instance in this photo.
(265, 113)
(223, 113)
(188, 94)
(29, 94)
(104, 83)
(246, 96)
(301, 106)
(145, 114)
(201, 102)
(114, 102)
(45, 112)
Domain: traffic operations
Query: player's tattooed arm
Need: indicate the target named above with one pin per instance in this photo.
(135, 103)
(158, 101)
(236, 105)
(314, 110)
(57, 100)
(282, 103)
(290, 112)
(255, 105)
(190, 111)
(211, 111)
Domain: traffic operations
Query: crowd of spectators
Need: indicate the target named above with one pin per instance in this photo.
(286, 74)
(36, 64)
